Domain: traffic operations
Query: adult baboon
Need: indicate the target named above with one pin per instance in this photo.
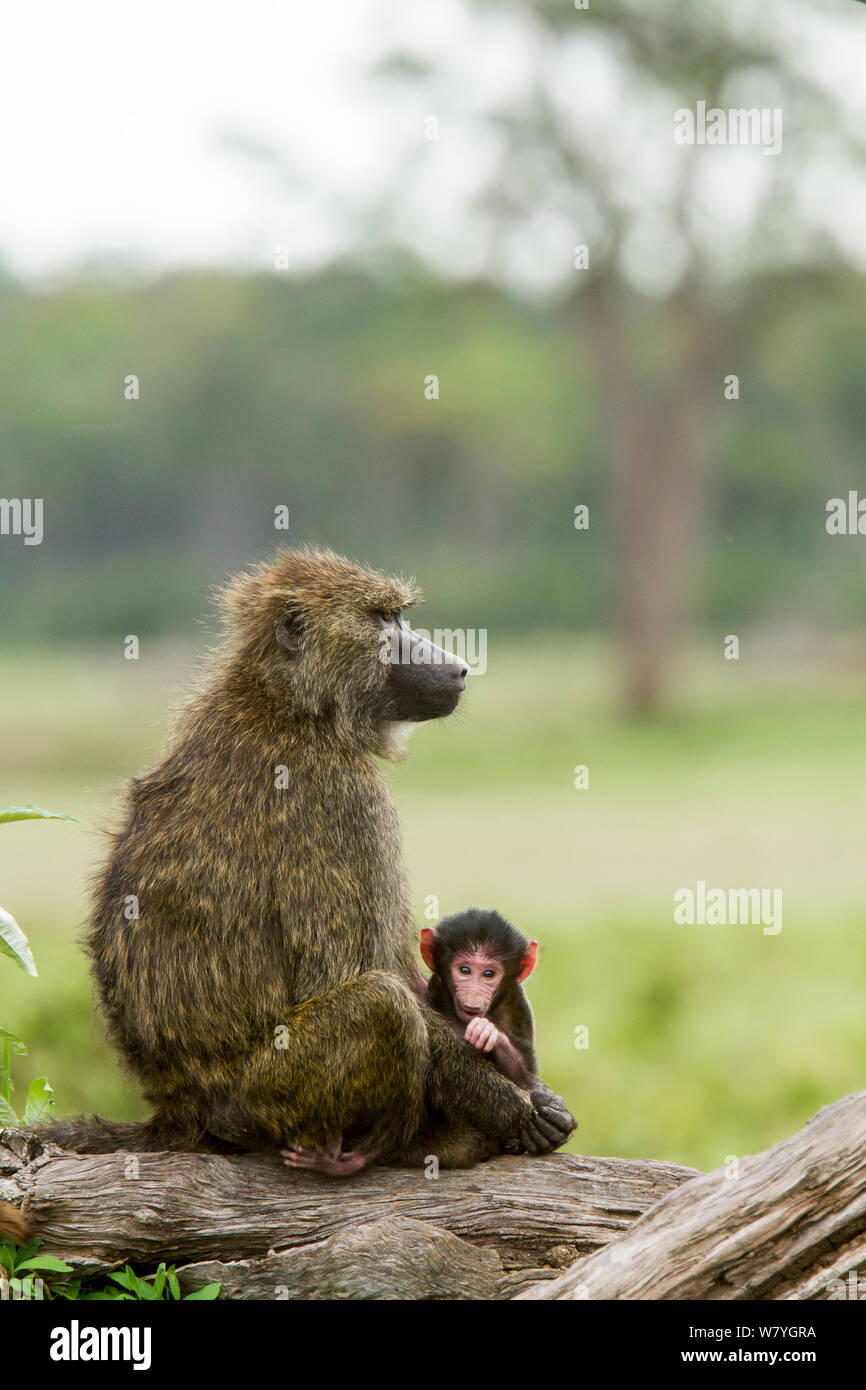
(251, 941)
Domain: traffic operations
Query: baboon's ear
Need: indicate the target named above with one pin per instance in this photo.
(428, 937)
(288, 634)
(527, 965)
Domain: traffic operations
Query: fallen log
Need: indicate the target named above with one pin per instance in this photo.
(534, 1214)
(395, 1259)
(781, 1225)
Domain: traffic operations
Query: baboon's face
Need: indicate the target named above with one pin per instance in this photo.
(329, 636)
(423, 681)
(367, 665)
(473, 977)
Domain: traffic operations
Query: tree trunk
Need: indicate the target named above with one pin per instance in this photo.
(783, 1225)
(655, 435)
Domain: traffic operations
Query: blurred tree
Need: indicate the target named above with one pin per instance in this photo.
(563, 119)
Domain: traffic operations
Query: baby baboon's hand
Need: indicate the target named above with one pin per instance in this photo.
(481, 1033)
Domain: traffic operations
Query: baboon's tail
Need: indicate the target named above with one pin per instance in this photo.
(90, 1134)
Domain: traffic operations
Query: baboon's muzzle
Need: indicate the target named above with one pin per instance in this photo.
(424, 681)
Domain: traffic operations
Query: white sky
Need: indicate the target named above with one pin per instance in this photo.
(111, 117)
(114, 121)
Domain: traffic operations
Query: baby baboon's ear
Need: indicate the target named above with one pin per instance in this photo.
(527, 965)
(287, 631)
(428, 941)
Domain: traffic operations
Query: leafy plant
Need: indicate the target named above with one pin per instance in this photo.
(10, 813)
(21, 1263)
(40, 1096)
(13, 943)
(161, 1287)
(24, 1265)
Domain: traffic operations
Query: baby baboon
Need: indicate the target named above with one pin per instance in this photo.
(251, 941)
(479, 962)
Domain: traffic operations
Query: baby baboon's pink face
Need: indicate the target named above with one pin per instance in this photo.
(475, 978)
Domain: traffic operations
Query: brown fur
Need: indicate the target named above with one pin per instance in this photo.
(14, 1225)
(264, 909)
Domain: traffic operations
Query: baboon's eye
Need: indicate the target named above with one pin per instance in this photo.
(387, 615)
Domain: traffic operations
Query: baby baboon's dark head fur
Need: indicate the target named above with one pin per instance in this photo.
(479, 928)
(313, 626)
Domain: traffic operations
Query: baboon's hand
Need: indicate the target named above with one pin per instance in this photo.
(547, 1128)
(560, 1116)
(482, 1033)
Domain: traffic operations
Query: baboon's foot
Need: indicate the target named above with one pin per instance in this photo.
(335, 1160)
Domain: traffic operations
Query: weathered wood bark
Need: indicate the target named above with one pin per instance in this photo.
(98, 1211)
(789, 1220)
(394, 1259)
(782, 1226)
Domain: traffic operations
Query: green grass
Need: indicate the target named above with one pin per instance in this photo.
(704, 1041)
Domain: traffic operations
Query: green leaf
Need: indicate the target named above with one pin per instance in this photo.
(8, 1118)
(173, 1284)
(208, 1291)
(10, 813)
(24, 1252)
(13, 943)
(14, 1043)
(50, 1262)
(40, 1102)
(128, 1278)
(159, 1281)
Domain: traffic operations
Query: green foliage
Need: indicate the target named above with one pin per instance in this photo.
(14, 1258)
(261, 390)
(13, 813)
(161, 1287)
(128, 1287)
(22, 1264)
(23, 1267)
(13, 943)
(39, 1104)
